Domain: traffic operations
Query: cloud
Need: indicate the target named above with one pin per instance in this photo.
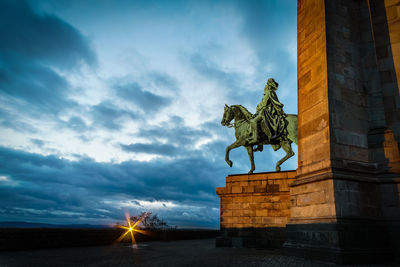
(77, 124)
(158, 149)
(145, 100)
(162, 80)
(270, 28)
(232, 82)
(12, 119)
(172, 138)
(37, 142)
(34, 48)
(41, 37)
(34, 87)
(209, 69)
(174, 131)
(47, 185)
(260, 20)
(109, 116)
(50, 80)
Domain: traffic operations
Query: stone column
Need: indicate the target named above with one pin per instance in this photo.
(345, 200)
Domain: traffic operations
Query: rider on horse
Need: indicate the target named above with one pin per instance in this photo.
(269, 126)
(270, 113)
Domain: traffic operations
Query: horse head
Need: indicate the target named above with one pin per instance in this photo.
(228, 116)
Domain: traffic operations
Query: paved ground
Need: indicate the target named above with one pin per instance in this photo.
(177, 253)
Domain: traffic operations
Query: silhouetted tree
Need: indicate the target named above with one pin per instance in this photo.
(150, 221)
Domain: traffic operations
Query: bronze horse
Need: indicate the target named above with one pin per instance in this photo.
(242, 117)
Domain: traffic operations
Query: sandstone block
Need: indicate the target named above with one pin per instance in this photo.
(316, 211)
(255, 182)
(236, 189)
(248, 212)
(248, 189)
(226, 213)
(262, 213)
(259, 199)
(311, 198)
(220, 190)
(267, 206)
(274, 212)
(245, 205)
(260, 189)
(244, 220)
(275, 198)
(226, 200)
(272, 188)
(236, 213)
(236, 206)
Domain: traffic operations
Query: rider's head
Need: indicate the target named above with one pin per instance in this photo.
(271, 84)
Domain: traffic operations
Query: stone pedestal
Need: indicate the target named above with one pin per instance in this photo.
(255, 209)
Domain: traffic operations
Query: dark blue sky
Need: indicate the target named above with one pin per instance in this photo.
(114, 106)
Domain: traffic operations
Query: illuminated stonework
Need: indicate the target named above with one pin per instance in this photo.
(260, 202)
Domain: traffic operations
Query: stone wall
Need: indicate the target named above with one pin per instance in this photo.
(352, 73)
(345, 200)
(348, 94)
(255, 209)
(313, 112)
(387, 31)
(313, 202)
(393, 21)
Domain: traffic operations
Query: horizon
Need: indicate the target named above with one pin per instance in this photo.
(27, 224)
(111, 108)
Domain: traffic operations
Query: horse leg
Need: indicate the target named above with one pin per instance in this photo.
(229, 148)
(287, 147)
(251, 158)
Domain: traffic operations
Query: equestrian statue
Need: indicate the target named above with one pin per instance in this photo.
(270, 125)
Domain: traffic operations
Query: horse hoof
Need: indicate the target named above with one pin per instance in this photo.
(230, 163)
(250, 172)
(278, 169)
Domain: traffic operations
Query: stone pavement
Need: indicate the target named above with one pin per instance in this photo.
(177, 253)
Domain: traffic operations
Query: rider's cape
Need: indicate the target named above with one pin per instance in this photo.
(274, 122)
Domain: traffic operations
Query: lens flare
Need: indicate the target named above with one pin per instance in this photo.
(130, 229)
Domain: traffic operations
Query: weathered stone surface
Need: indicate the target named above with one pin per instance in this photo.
(263, 195)
(255, 207)
(343, 64)
(343, 112)
(312, 79)
(348, 130)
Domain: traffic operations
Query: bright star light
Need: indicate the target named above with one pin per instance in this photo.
(130, 229)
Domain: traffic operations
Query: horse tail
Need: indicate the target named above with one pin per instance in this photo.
(292, 127)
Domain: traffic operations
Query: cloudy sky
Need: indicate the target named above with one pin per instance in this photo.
(114, 106)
